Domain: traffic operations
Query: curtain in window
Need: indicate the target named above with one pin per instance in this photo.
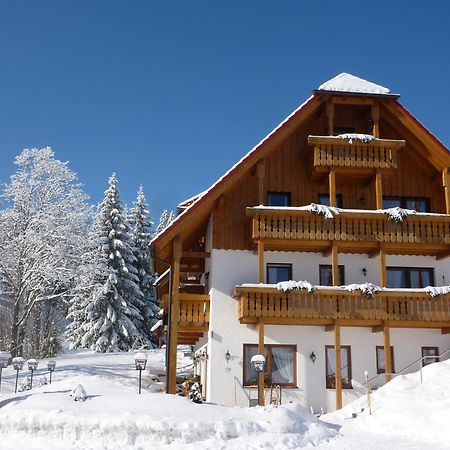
(345, 372)
(396, 278)
(282, 365)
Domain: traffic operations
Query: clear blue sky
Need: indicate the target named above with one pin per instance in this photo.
(170, 94)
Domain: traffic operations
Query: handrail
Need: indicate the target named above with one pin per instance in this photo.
(420, 360)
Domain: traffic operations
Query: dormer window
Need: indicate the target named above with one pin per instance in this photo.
(279, 199)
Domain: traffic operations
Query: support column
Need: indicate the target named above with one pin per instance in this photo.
(260, 262)
(387, 351)
(332, 187)
(260, 172)
(376, 120)
(261, 352)
(446, 184)
(337, 364)
(379, 189)
(174, 315)
(335, 265)
(383, 275)
(330, 115)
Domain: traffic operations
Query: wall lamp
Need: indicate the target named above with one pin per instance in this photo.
(312, 357)
(227, 356)
(364, 271)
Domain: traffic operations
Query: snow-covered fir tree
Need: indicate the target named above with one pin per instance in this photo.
(113, 321)
(164, 220)
(141, 236)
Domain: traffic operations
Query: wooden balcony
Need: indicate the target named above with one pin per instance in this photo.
(193, 317)
(401, 307)
(356, 231)
(333, 152)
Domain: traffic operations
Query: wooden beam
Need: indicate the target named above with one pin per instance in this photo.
(329, 328)
(379, 190)
(376, 120)
(332, 187)
(261, 352)
(174, 312)
(387, 352)
(344, 100)
(377, 329)
(260, 172)
(383, 275)
(260, 262)
(335, 265)
(446, 184)
(330, 115)
(337, 364)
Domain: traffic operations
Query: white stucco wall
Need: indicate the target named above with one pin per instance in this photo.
(229, 268)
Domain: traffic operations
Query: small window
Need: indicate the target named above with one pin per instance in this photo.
(420, 204)
(381, 368)
(324, 199)
(346, 367)
(430, 351)
(409, 277)
(279, 198)
(326, 275)
(278, 272)
(279, 368)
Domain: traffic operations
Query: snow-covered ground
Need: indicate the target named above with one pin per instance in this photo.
(406, 414)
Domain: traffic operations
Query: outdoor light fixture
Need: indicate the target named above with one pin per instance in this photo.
(32, 365)
(17, 363)
(364, 271)
(312, 357)
(227, 356)
(141, 361)
(4, 359)
(258, 361)
(51, 367)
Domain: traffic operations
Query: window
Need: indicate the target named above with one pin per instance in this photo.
(430, 351)
(326, 275)
(420, 204)
(278, 272)
(279, 198)
(380, 359)
(279, 368)
(409, 277)
(324, 199)
(346, 367)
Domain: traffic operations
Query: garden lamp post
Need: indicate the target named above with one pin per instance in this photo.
(17, 363)
(32, 365)
(258, 361)
(51, 367)
(4, 359)
(141, 361)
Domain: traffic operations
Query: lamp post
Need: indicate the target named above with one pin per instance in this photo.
(17, 363)
(141, 361)
(51, 367)
(258, 361)
(3, 365)
(32, 365)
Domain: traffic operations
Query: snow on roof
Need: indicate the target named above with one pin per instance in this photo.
(190, 200)
(161, 277)
(345, 82)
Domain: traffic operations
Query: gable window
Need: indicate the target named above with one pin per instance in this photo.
(430, 351)
(326, 275)
(409, 277)
(324, 199)
(346, 367)
(420, 204)
(279, 199)
(381, 368)
(279, 368)
(278, 272)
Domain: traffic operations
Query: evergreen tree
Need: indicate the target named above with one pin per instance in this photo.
(113, 321)
(164, 221)
(141, 236)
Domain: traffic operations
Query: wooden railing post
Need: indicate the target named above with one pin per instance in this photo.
(174, 313)
(376, 120)
(260, 261)
(338, 364)
(335, 265)
(379, 189)
(261, 374)
(387, 352)
(446, 184)
(332, 186)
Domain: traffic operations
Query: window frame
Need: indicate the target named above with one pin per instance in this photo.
(268, 364)
(288, 265)
(339, 199)
(341, 268)
(436, 358)
(286, 193)
(383, 369)
(404, 199)
(408, 270)
(347, 385)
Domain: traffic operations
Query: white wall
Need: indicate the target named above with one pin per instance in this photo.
(229, 268)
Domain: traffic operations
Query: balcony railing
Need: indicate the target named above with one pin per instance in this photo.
(194, 309)
(327, 304)
(291, 224)
(335, 152)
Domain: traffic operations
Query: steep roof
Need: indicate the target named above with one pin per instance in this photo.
(347, 83)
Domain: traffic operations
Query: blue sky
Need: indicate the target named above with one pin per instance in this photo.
(170, 94)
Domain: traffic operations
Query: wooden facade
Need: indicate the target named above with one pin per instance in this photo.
(302, 158)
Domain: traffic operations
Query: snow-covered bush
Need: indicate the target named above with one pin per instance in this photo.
(25, 385)
(195, 394)
(287, 286)
(78, 393)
